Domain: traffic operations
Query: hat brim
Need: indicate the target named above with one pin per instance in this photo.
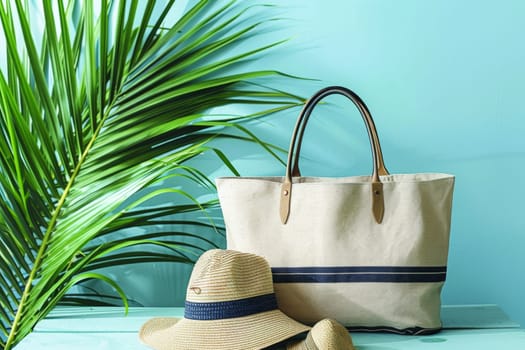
(249, 332)
(326, 334)
(305, 344)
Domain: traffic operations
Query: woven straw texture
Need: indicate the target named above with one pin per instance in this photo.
(222, 276)
(327, 334)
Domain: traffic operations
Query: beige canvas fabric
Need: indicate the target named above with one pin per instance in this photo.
(368, 251)
(229, 305)
(330, 225)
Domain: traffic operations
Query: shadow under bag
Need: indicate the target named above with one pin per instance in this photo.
(368, 251)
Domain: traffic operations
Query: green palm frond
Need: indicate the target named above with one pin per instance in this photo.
(98, 106)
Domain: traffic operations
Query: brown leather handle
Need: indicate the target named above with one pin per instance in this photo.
(292, 165)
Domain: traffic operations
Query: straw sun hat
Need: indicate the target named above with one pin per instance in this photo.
(327, 334)
(230, 304)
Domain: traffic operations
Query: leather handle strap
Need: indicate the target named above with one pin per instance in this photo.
(295, 145)
(292, 165)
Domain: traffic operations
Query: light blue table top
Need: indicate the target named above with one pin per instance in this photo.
(477, 327)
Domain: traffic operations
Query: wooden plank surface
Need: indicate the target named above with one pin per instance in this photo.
(476, 327)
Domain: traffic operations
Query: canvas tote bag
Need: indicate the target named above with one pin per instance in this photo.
(368, 251)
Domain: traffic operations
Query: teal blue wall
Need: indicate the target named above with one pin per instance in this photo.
(444, 81)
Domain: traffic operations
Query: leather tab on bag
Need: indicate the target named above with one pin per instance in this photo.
(378, 202)
(286, 194)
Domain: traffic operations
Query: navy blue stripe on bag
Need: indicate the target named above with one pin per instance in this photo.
(360, 274)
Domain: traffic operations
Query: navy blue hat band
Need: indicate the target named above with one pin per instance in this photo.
(229, 309)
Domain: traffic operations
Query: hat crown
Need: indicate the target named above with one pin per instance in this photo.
(224, 275)
(230, 305)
